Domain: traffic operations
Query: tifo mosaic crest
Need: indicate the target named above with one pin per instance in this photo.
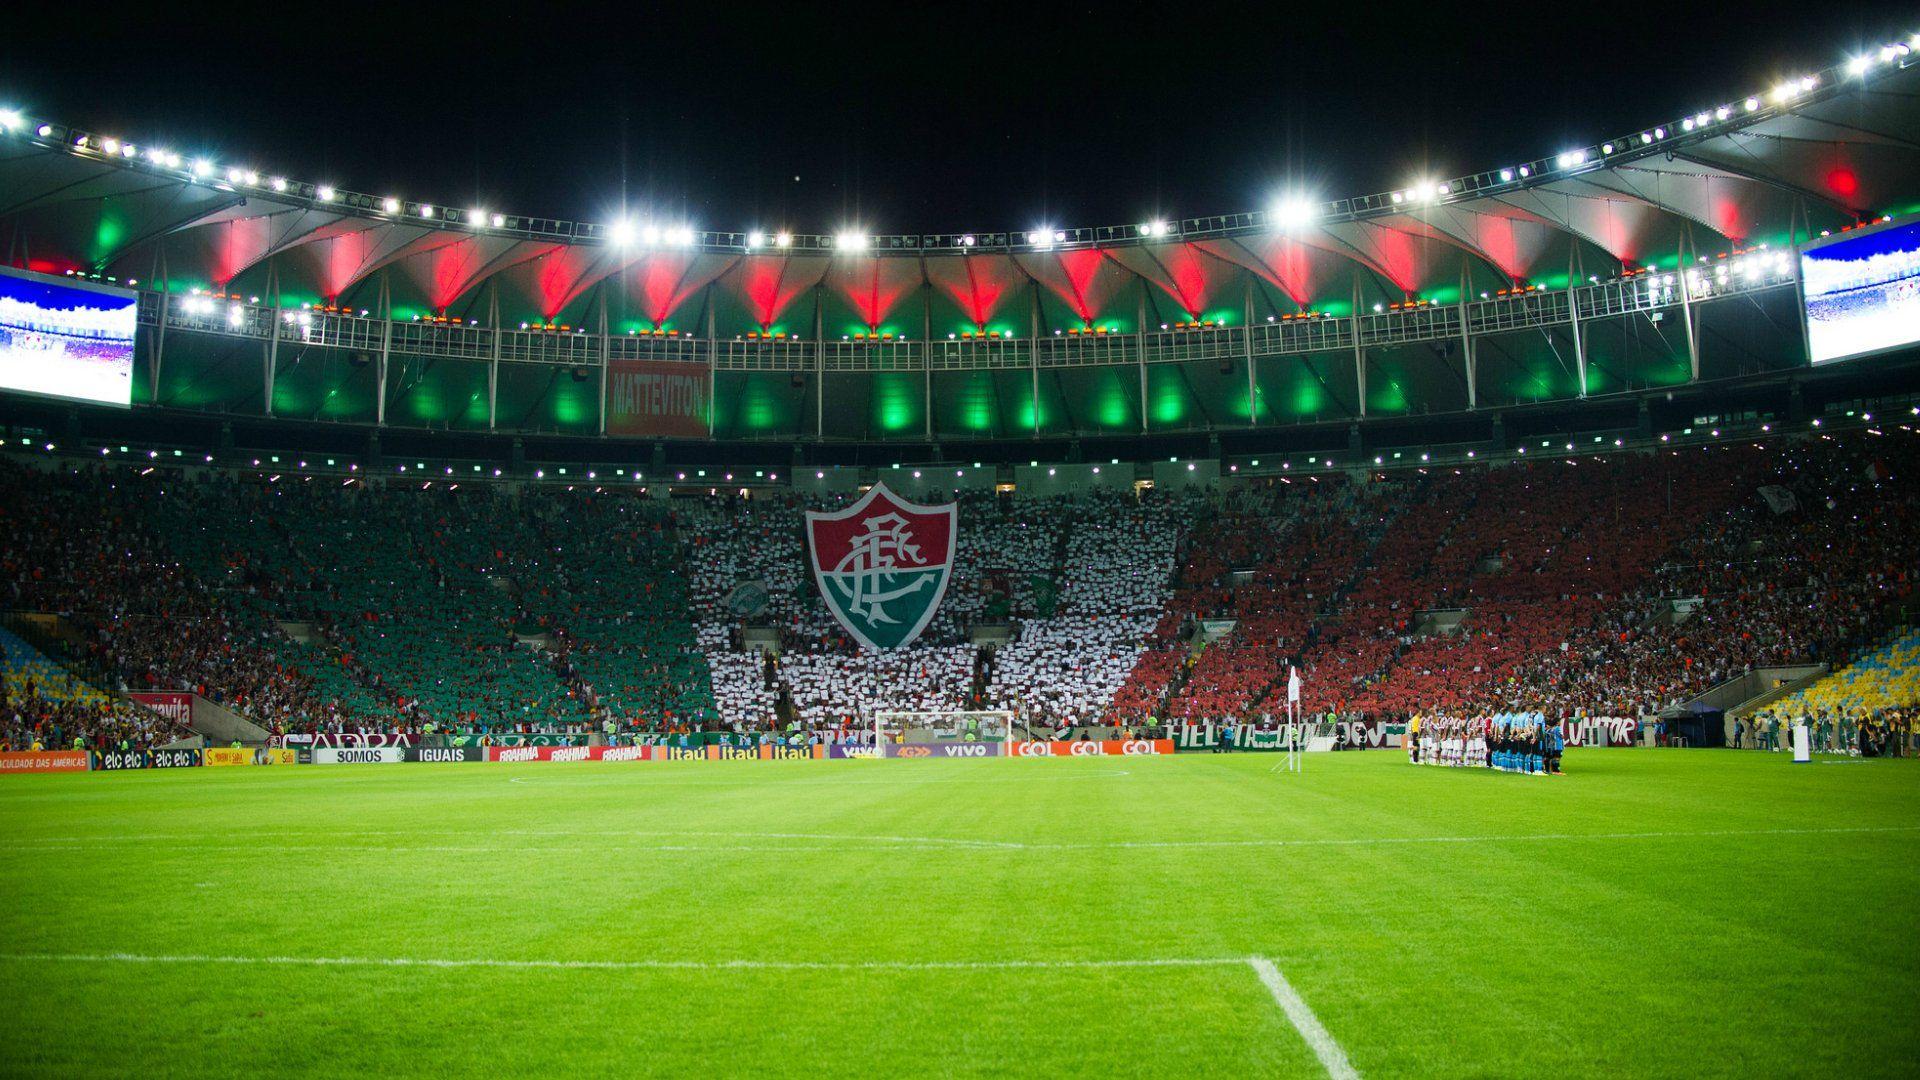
(883, 565)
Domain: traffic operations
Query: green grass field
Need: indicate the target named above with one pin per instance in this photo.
(1651, 913)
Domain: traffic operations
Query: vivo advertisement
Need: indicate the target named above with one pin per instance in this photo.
(66, 339)
(1863, 292)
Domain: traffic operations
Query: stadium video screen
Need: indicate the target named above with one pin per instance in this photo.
(1863, 292)
(66, 339)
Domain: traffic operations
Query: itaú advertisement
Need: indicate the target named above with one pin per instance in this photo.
(1862, 291)
(66, 339)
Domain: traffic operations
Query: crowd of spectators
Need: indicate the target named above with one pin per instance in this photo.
(44, 706)
(1580, 586)
(1575, 586)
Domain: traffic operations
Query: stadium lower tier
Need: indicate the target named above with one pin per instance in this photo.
(1601, 585)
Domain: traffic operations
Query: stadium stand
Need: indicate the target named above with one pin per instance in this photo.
(43, 705)
(1887, 678)
(1589, 586)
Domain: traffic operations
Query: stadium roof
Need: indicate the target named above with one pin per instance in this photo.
(1820, 152)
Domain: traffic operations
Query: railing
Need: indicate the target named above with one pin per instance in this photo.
(1535, 310)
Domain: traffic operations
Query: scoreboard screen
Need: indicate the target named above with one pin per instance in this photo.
(66, 339)
(1862, 292)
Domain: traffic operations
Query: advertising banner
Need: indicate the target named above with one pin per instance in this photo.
(657, 397)
(443, 753)
(120, 760)
(1049, 748)
(350, 738)
(1602, 731)
(547, 753)
(772, 752)
(44, 761)
(175, 705)
(226, 755)
(358, 755)
(837, 752)
(1090, 748)
(514, 738)
(940, 750)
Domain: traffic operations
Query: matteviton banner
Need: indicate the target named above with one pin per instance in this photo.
(657, 397)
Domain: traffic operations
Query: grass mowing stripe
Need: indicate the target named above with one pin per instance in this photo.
(1300, 1015)
(324, 840)
(631, 965)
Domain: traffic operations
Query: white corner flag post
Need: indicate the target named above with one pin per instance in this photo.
(1293, 760)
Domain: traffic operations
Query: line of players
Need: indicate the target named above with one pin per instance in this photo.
(1509, 742)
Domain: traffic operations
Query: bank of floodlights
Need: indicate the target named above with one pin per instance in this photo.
(1289, 214)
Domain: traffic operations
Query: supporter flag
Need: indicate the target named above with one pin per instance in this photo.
(1779, 499)
(747, 599)
(1046, 594)
(883, 564)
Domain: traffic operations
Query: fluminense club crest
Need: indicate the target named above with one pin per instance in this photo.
(883, 564)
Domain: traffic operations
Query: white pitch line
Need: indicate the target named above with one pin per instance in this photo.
(1298, 1013)
(628, 965)
(1324, 1047)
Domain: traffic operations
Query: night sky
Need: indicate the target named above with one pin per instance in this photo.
(958, 117)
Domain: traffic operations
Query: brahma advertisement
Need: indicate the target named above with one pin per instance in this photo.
(657, 397)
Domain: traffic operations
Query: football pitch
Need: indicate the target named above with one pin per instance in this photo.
(1650, 913)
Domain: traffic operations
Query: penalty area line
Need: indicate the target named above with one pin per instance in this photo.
(1300, 1015)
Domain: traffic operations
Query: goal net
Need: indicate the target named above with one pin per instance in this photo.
(941, 727)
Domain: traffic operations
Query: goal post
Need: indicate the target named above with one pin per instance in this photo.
(982, 726)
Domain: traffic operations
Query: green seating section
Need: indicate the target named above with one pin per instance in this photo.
(424, 599)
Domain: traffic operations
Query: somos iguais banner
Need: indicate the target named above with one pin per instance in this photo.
(44, 761)
(358, 755)
(656, 397)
